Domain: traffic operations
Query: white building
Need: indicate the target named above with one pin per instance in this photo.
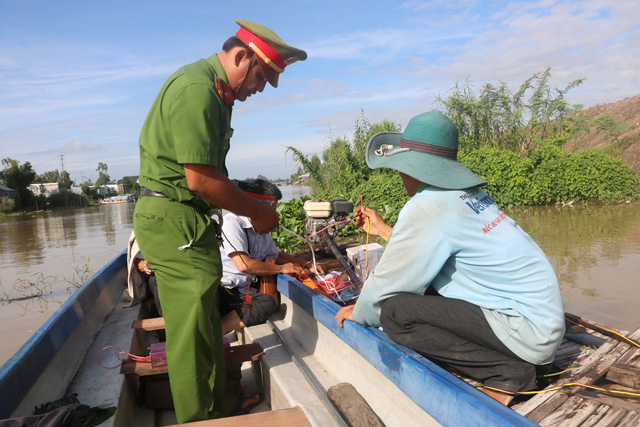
(48, 189)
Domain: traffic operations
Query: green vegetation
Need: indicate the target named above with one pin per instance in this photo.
(43, 286)
(514, 140)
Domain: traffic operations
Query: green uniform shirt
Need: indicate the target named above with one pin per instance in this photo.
(187, 123)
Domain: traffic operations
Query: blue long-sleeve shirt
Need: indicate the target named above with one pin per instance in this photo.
(461, 244)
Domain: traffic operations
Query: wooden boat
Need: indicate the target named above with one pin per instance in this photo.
(127, 198)
(400, 386)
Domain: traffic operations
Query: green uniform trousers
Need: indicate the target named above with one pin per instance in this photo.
(179, 243)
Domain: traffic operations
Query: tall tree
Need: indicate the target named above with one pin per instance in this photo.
(46, 177)
(18, 177)
(103, 177)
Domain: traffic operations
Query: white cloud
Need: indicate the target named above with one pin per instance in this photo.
(78, 145)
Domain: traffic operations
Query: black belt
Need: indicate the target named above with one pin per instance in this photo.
(147, 192)
(217, 226)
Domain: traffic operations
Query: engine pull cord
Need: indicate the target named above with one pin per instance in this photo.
(366, 248)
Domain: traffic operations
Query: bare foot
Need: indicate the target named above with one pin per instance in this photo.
(505, 399)
(248, 401)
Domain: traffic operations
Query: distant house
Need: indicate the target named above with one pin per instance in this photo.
(7, 192)
(103, 190)
(122, 187)
(48, 189)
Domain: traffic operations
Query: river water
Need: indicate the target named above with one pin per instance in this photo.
(595, 251)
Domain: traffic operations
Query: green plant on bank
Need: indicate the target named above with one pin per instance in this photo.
(515, 144)
(6, 205)
(498, 117)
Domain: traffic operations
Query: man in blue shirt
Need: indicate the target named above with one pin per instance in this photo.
(459, 281)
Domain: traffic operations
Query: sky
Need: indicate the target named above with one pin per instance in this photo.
(77, 78)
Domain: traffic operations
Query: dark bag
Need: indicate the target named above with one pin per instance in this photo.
(60, 417)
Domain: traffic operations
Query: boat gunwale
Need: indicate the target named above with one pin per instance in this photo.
(23, 369)
(458, 403)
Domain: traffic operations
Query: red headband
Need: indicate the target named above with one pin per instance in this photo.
(268, 54)
(262, 197)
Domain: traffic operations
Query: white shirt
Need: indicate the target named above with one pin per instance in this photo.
(240, 236)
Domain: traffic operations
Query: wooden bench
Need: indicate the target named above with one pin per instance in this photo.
(159, 395)
(293, 417)
(154, 324)
(237, 354)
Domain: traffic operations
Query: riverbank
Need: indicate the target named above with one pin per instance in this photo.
(595, 251)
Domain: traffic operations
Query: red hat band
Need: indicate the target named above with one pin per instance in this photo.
(268, 54)
(262, 197)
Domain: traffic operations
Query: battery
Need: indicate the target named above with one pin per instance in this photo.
(364, 258)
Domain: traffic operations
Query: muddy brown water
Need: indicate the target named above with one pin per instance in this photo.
(595, 251)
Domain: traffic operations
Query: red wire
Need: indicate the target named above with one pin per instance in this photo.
(131, 357)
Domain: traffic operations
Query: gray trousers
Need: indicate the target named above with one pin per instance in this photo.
(456, 333)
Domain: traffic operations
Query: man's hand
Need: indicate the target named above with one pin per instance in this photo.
(289, 268)
(207, 182)
(317, 269)
(372, 222)
(345, 313)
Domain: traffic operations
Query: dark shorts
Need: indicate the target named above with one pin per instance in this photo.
(262, 305)
(455, 333)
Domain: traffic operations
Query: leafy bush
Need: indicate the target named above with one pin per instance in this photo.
(513, 143)
(292, 216)
(6, 204)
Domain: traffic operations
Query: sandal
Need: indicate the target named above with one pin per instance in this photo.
(240, 410)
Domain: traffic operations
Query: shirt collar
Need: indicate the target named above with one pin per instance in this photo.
(214, 61)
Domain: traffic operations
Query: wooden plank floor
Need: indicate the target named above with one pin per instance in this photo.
(581, 406)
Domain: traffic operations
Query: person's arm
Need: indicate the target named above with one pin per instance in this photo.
(284, 258)
(412, 258)
(372, 222)
(207, 182)
(245, 264)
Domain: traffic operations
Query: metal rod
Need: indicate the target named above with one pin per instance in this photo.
(308, 375)
(294, 233)
(334, 248)
(600, 329)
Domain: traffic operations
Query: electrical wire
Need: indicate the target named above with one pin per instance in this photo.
(592, 387)
(611, 331)
(137, 358)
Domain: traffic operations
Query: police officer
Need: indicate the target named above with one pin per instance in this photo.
(183, 145)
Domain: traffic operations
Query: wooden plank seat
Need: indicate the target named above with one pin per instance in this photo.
(154, 324)
(237, 354)
(292, 417)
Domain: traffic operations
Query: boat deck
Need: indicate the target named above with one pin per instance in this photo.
(577, 405)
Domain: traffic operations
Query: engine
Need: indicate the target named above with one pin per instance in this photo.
(322, 215)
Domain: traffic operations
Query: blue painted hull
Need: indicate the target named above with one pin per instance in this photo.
(447, 399)
(22, 370)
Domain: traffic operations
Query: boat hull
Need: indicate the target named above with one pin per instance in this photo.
(436, 393)
(62, 356)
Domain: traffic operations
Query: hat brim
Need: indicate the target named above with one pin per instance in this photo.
(272, 75)
(434, 170)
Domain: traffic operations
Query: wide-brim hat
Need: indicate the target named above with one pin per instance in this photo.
(270, 49)
(427, 150)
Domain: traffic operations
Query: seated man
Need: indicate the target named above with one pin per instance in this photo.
(459, 281)
(245, 252)
(140, 277)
